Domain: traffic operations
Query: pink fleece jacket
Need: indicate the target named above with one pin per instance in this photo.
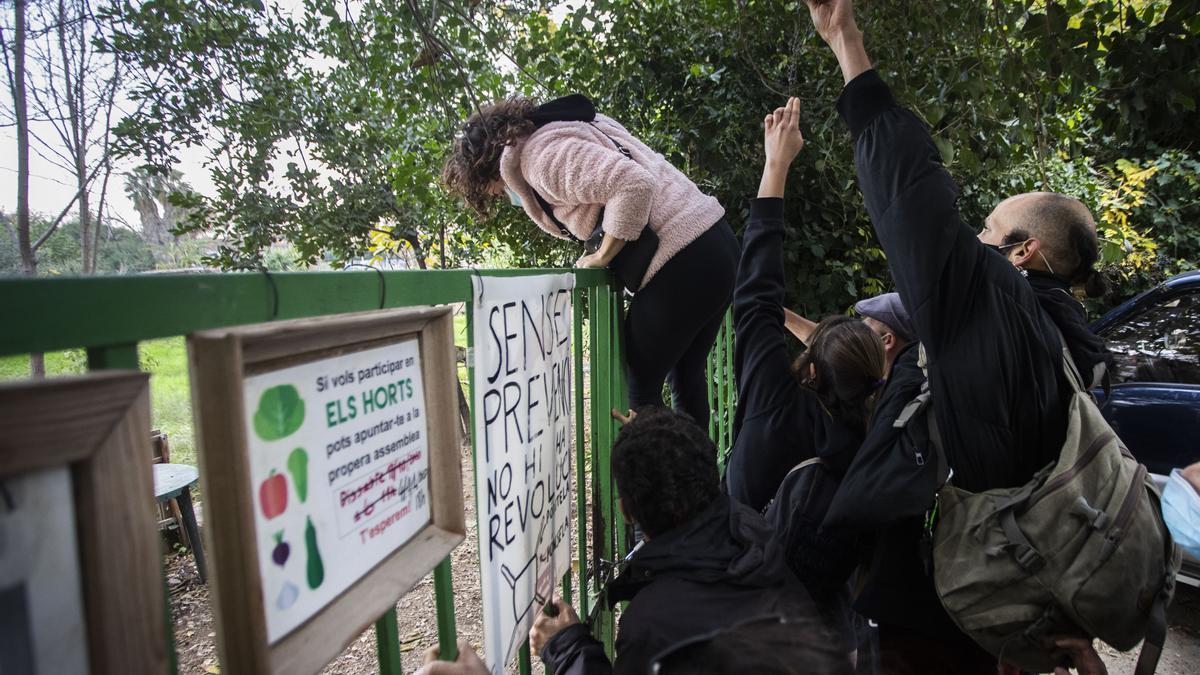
(578, 171)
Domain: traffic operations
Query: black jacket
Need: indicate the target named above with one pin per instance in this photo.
(992, 339)
(779, 422)
(995, 364)
(718, 570)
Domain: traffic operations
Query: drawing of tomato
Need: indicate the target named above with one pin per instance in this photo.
(272, 495)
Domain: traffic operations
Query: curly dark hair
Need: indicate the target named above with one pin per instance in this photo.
(665, 467)
(474, 162)
(848, 360)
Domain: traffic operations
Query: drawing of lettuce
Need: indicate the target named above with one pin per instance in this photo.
(280, 413)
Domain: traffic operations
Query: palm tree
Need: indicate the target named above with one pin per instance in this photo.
(150, 193)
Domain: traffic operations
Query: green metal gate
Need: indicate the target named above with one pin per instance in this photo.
(109, 316)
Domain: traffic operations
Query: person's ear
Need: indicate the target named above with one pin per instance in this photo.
(889, 341)
(1025, 251)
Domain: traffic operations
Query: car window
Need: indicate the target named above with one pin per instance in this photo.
(1161, 344)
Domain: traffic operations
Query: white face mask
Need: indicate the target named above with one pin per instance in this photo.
(513, 197)
(1181, 511)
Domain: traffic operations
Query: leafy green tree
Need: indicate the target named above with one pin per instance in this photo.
(327, 128)
(119, 249)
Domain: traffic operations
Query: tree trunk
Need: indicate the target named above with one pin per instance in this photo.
(78, 137)
(37, 362)
(87, 238)
(24, 241)
(415, 243)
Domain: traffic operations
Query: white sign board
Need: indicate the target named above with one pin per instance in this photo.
(525, 442)
(340, 473)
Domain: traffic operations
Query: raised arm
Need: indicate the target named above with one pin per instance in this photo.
(763, 368)
(934, 257)
(798, 325)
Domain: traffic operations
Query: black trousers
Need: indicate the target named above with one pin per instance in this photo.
(674, 320)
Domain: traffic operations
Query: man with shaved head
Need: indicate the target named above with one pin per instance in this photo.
(988, 303)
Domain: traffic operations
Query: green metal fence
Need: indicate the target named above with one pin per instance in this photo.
(109, 316)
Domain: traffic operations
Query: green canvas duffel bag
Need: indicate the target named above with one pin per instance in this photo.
(1081, 549)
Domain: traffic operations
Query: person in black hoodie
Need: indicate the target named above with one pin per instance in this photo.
(816, 409)
(707, 563)
(988, 308)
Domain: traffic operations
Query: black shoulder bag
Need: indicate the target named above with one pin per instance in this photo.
(631, 262)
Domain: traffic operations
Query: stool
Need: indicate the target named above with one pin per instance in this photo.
(175, 481)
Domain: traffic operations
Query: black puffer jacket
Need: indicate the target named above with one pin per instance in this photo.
(995, 358)
(779, 422)
(718, 570)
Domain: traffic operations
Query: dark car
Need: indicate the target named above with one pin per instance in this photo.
(1155, 401)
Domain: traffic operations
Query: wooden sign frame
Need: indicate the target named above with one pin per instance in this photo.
(98, 425)
(219, 361)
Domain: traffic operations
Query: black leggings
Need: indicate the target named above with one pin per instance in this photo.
(674, 320)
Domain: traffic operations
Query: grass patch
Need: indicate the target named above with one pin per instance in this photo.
(170, 393)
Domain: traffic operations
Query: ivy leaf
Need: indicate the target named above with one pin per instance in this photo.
(945, 149)
(280, 413)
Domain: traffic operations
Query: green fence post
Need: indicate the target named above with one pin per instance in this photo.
(117, 357)
(387, 641)
(712, 398)
(524, 660)
(718, 411)
(619, 397)
(443, 594)
(594, 436)
(602, 357)
(731, 393)
(580, 454)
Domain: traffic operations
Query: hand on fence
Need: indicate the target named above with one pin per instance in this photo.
(468, 662)
(546, 626)
(590, 260)
(624, 419)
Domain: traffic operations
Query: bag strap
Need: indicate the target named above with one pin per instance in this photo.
(1078, 385)
(1156, 637)
(549, 210)
(808, 462)
(922, 400)
(1156, 632)
(620, 148)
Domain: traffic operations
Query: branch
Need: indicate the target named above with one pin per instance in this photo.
(58, 221)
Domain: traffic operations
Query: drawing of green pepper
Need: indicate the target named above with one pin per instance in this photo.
(297, 463)
(316, 570)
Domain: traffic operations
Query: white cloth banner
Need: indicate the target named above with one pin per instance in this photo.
(525, 444)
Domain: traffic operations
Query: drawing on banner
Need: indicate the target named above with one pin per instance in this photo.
(525, 446)
(338, 447)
